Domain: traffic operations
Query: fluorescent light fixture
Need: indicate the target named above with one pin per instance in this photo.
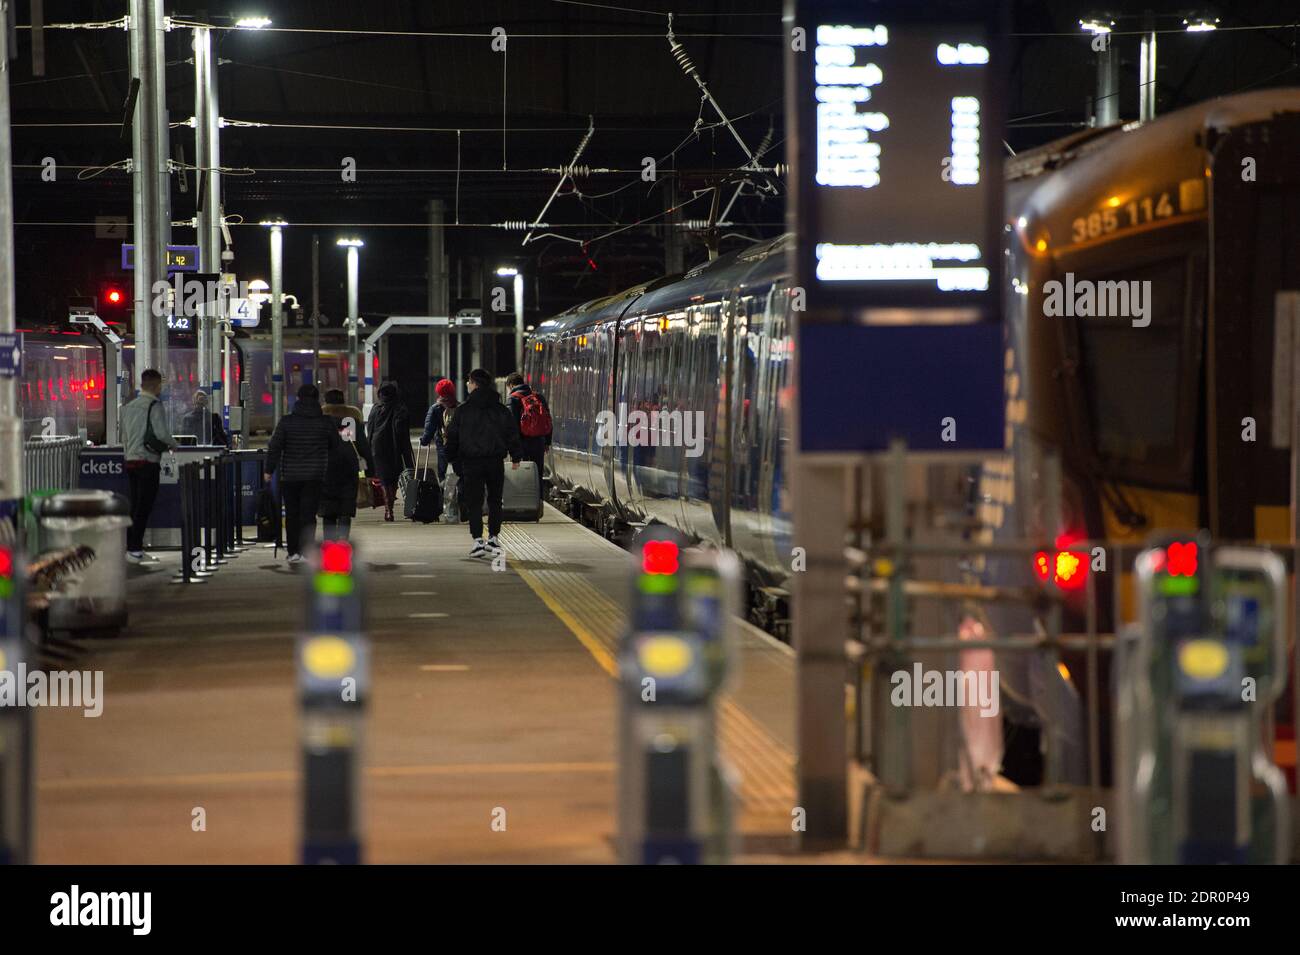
(252, 23)
(1201, 24)
(507, 270)
(1096, 24)
(272, 223)
(350, 243)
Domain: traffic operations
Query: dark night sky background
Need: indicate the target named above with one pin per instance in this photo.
(557, 73)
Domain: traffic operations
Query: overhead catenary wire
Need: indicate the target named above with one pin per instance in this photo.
(461, 34)
(515, 225)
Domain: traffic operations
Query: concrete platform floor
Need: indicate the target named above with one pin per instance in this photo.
(492, 692)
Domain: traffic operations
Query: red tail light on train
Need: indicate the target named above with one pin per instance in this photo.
(1065, 568)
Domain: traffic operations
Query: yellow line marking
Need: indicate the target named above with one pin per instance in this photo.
(585, 637)
(288, 776)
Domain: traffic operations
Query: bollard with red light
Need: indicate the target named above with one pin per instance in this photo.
(16, 728)
(674, 798)
(333, 686)
(1195, 780)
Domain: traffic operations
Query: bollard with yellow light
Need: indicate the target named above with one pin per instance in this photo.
(674, 797)
(1209, 663)
(333, 686)
(16, 727)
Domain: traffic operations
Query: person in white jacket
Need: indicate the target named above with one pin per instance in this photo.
(146, 436)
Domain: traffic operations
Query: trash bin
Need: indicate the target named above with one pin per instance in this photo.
(94, 598)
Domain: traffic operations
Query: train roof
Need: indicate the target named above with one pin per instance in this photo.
(1049, 188)
(758, 265)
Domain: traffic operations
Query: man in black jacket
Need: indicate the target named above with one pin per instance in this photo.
(300, 448)
(481, 433)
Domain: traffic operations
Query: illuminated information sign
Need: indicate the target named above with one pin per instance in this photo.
(901, 165)
(896, 111)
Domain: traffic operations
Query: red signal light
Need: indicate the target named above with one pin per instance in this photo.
(659, 557)
(1182, 559)
(1064, 568)
(336, 557)
(6, 563)
(114, 296)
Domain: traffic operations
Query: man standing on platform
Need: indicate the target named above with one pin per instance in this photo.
(299, 450)
(481, 433)
(145, 438)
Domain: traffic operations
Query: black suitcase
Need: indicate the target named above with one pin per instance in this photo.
(423, 501)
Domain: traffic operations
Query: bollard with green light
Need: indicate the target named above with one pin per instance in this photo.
(333, 686)
(1209, 663)
(674, 798)
(16, 729)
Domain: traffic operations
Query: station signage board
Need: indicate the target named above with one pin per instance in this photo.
(179, 258)
(896, 110)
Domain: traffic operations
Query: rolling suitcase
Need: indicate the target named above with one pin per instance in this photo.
(423, 498)
(521, 498)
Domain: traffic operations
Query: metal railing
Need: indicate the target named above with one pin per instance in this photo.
(51, 464)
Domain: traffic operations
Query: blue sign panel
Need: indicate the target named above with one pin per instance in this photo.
(11, 355)
(938, 387)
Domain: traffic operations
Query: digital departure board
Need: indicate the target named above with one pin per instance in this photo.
(895, 112)
(899, 163)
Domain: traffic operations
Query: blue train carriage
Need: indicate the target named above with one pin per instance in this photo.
(668, 405)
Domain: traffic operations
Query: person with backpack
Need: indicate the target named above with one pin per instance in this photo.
(389, 430)
(338, 498)
(300, 448)
(480, 435)
(435, 423)
(145, 438)
(533, 416)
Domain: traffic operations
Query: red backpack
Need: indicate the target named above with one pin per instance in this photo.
(535, 422)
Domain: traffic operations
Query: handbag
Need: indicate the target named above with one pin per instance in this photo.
(152, 442)
(365, 495)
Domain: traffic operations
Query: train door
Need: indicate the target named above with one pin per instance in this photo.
(1255, 256)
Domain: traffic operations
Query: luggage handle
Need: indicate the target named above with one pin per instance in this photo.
(422, 473)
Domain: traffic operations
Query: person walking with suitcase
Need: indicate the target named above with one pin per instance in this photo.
(338, 500)
(533, 416)
(389, 430)
(435, 420)
(299, 450)
(481, 433)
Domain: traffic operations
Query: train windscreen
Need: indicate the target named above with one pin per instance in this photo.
(1141, 438)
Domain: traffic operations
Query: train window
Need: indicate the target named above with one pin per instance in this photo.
(1139, 383)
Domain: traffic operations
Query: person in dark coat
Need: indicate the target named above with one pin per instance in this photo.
(534, 445)
(433, 423)
(338, 499)
(193, 422)
(389, 430)
(299, 450)
(481, 433)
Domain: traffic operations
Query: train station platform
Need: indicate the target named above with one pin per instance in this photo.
(490, 691)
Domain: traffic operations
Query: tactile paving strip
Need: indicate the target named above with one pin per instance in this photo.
(765, 767)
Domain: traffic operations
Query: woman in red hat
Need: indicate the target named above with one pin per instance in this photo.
(435, 422)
